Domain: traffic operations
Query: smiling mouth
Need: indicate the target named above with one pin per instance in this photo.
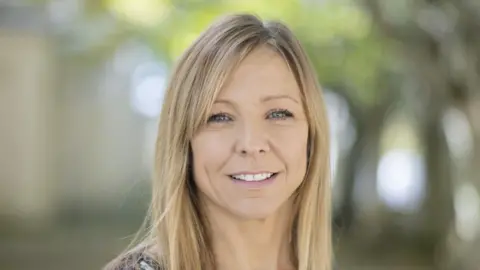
(257, 177)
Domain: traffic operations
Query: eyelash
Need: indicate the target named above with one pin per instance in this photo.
(213, 117)
(285, 114)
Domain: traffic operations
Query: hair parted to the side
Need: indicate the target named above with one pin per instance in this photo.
(178, 236)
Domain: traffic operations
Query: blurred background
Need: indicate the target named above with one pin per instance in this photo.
(81, 86)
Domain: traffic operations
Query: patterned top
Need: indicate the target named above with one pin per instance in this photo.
(139, 262)
(146, 265)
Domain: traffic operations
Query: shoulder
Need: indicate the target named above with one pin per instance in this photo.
(134, 261)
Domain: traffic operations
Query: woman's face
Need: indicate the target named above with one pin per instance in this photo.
(252, 154)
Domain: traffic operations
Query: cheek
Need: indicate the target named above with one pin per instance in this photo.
(291, 143)
(210, 151)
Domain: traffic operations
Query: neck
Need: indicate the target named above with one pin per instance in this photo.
(262, 244)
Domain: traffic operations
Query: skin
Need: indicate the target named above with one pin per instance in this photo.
(257, 124)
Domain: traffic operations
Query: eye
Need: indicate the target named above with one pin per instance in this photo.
(279, 114)
(219, 118)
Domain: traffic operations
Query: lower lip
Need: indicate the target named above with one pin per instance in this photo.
(255, 184)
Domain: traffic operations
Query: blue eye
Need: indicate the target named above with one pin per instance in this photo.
(279, 114)
(219, 118)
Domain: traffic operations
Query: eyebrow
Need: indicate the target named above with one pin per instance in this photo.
(268, 98)
(264, 99)
(223, 101)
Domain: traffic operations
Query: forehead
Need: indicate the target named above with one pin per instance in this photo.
(263, 72)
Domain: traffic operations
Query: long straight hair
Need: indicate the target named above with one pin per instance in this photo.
(178, 236)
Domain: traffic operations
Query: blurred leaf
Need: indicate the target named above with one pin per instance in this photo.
(345, 51)
(286, 10)
(142, 13)
(338, 37)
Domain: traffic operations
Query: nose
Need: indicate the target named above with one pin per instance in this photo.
(252, 140)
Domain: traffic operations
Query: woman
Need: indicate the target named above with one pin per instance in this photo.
(242, 157)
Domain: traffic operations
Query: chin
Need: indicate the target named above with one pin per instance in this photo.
(255, 211)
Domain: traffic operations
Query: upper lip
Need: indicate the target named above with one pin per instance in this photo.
(256, 172)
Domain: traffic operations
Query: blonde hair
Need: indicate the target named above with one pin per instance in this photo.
(177, 227)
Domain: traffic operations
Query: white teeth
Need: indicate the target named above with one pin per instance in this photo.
(252, 177)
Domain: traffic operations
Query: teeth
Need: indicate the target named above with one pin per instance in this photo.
(252, 177)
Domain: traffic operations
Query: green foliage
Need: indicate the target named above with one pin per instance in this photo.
(345, 51)
(338, 37)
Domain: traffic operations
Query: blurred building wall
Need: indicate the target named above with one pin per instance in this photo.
(26, 189)
(69, 139)
(100, 146)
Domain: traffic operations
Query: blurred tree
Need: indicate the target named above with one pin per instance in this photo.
(439, 41)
